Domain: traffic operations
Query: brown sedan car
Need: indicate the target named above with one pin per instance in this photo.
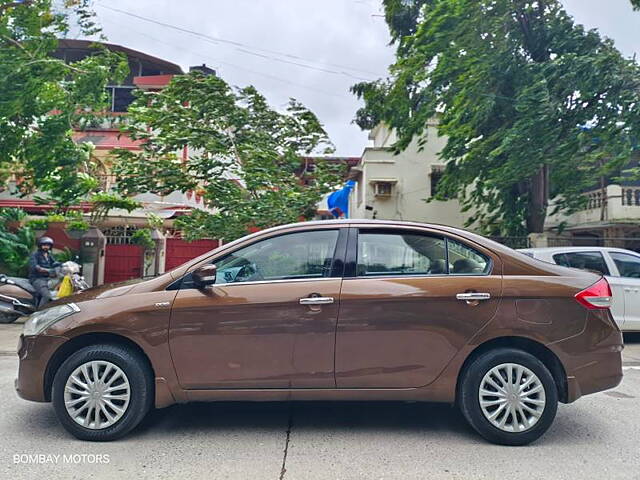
(345, 310)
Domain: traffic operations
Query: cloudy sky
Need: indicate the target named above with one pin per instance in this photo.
(313, 51)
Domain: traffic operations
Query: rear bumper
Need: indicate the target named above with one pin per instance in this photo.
(596, 376)
(592, 360)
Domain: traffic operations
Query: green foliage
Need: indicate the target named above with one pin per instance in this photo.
(532, 105)
(102, 203)
(245, 156)
(72, 215)
(12, 214)
(143, 238)
(636, 4)
(66, 254)
(56, 218)
(15, 249)
(78, 226)
(155, 221)
(38, 224)
(42, 98)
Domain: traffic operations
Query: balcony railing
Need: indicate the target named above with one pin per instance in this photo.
(613, 195)
(631, 196)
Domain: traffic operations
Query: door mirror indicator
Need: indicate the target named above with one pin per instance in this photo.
(204, 276)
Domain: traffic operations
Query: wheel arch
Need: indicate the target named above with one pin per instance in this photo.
(76, 343)
(533, 347)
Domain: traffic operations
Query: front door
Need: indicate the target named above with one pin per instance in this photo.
(268, 322)
(414, 300)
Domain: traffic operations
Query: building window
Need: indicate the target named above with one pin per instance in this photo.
(436, 176)
(121, 97)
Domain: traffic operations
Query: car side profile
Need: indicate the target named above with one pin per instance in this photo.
(332, 310)
(620, 267)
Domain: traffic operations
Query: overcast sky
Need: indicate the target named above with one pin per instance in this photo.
(313, 51)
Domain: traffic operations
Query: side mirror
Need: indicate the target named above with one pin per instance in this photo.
(204, 276)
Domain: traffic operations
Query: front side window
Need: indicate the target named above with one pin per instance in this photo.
(593, 261)
(291, 256)
(628, 265)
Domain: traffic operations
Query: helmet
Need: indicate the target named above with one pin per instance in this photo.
(45, 241)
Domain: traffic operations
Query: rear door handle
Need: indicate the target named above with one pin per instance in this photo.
(316, 300)
(473, 296)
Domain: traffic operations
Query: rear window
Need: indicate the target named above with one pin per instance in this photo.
(593, 261)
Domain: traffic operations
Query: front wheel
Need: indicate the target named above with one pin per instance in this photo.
(508, 396)
(102, 392)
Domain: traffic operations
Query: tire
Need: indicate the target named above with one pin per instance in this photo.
(125, 386)
(7, 318)
(538, 401)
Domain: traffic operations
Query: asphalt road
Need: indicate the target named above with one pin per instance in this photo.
(596, 437)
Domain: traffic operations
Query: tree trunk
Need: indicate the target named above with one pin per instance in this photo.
(538, 200)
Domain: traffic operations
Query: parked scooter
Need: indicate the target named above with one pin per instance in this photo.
(18, 297)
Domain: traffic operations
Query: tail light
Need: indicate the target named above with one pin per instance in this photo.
(597, 296)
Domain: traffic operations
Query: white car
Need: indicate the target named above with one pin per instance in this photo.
(620, 267)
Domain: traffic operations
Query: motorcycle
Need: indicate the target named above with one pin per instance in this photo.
(18, 297)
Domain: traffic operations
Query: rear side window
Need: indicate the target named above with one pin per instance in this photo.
(593, 261)
(392, 253)
(628, 265)
(381, 253)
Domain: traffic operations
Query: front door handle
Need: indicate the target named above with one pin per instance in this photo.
(316, 300)
(473, 296)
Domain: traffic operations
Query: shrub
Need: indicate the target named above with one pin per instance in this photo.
(143, 238)
(12, 214)
(38, 224)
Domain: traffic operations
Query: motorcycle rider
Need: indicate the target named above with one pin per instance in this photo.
(42, 265)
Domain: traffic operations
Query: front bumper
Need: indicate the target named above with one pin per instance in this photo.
(35, 353)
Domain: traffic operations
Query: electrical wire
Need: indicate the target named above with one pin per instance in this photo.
(251, 50)
(217, 61)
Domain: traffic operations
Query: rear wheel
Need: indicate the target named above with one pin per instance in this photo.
(508, 396)
(102, 392)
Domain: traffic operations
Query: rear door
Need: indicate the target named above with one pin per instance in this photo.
(411, 298)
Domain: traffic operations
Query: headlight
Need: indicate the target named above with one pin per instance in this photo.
(39, 321)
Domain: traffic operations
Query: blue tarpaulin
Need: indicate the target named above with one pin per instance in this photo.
(338, 202)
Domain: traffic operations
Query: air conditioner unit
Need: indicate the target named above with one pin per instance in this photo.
(383, 189)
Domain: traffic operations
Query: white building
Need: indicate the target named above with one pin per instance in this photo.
(397, 187)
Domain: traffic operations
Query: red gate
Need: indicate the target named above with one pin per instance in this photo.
(122, 262)
(180, 251)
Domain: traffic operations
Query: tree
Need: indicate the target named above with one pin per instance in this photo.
(636, 4)
(245, 158)
(533, 106)
(42, 98)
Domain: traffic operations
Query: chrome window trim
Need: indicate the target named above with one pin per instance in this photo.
(263, 282)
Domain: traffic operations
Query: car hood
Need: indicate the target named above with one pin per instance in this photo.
(101, 291)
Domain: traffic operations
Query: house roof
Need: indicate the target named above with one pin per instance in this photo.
(67, 43)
